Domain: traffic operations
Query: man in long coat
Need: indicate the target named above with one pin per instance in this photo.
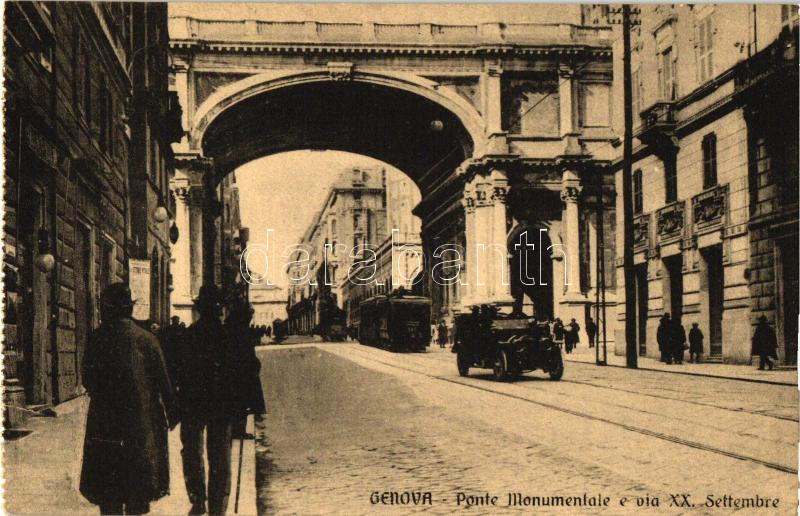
(664, 338)
(765, 343)
(677, 340)
(125, 454)
(695, 343)
(205, 396)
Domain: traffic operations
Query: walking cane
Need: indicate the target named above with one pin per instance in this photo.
(239, 476)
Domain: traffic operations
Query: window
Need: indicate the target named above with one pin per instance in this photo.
(666, 74)
(671, 181)
(636, 93)
(87, 85)
(705, 49)
(103, 115)
(709, 160)
(637, 192)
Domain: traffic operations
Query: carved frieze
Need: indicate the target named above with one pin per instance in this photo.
(641, 231)
(670, 220)
(708, 208)
(340, 71)
(570, 194)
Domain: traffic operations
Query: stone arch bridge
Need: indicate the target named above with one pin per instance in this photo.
(501, 126)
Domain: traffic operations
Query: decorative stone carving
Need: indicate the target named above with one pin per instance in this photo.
(570, 194)
(670, 220)
(500, 193)
(708, 208)
(340, 71)
(641, 231)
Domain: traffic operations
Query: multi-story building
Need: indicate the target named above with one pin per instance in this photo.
(155, 121)
(268, 302)
(68, 199)
(353, 214)
(715, 168)
(400, 257)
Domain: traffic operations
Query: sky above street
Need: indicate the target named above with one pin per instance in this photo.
(284, 191)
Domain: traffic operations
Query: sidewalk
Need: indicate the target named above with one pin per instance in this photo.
(42, 470)
(748, 373)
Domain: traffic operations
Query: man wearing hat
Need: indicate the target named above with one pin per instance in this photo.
(125, 454)
(765, 343)
(204, 390)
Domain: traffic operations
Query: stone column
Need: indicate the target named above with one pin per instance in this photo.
(489, 262)
(569, 195)
(180, 254)
(210, 210)
(566, 104)
(467, 278)
(493, 98)
(195, 236)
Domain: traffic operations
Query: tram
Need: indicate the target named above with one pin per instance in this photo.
(395, 321)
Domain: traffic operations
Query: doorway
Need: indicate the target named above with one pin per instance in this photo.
(84, 307)
(715, 291)
(788, 296)
(673, 266)
(640, 272)
(35, 299)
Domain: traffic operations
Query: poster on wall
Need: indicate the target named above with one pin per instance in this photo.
(140, 288)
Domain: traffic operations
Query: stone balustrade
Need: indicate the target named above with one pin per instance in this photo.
(255, 31)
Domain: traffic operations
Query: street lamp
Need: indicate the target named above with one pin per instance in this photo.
(160, 214)
(437, 126)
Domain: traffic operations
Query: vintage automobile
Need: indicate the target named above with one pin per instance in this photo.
(397, 321)
(507, 345)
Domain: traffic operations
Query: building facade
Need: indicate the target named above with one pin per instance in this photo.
(268, 302)
(352, 216)
(68, 199)
(714, 175)
(155, 121)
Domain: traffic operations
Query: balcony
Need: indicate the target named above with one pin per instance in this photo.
(769, 66)
(670, 221)
(709, 207)
(658, 123)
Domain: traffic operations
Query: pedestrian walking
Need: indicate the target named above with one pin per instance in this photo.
(695, 344)
(125, 454)
(663, 338)
(558, 332)
(765, 344)
(442, 334)
(170, 339)
(205, 395)
(572, 335)
(591, 330)
(247, 396)
(434, 336)
(678, 341)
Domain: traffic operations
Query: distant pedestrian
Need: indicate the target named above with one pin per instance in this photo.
(765, 344)
(678, 341)
(171, 343)
(558, 332)
(573, 335)
(591, 330)
(125, 453)
(663, 337)
(442, 334)
(695, 344)
(205, 395)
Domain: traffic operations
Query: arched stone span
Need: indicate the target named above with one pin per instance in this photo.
(395, 121)
(226, 96)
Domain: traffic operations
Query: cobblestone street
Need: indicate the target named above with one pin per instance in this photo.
(345, 421)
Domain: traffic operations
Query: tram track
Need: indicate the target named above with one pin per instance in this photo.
(632, 428)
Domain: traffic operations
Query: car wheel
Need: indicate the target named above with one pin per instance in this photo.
(556, 368)
(500, 368)
(463, 365)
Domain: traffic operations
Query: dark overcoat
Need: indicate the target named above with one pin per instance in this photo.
(765, 343)
(125, 454)
(695, 340)
(247, 396)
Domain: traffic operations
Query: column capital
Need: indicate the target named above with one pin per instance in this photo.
(500, 192)
(571, 194)
(565, 70)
